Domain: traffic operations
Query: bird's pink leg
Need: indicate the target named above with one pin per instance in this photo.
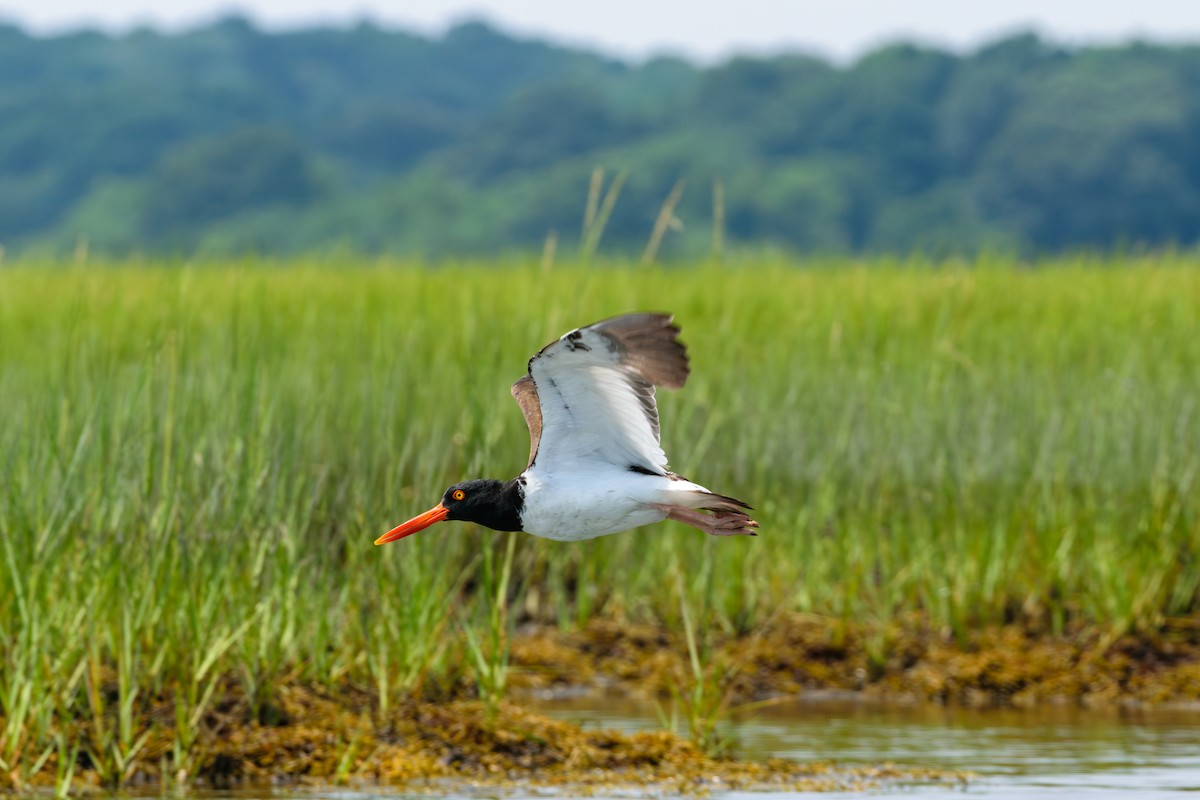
(719, 523)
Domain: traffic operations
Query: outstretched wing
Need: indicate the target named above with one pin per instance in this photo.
(590, 394)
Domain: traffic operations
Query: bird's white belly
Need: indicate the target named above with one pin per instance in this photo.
(586, 505)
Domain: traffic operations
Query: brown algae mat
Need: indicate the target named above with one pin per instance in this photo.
(428, 748)
(907, 662)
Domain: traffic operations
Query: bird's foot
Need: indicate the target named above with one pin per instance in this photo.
(719, 523)
(729, 524)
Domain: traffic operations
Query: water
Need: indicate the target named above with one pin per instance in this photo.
(1043, 752)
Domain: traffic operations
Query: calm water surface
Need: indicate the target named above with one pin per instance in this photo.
(1047, 752)
(1054, 753)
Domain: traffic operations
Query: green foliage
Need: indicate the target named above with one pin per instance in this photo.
(227, 139)
(1064, 142)
(214, 179)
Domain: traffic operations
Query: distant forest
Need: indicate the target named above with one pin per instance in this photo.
(228, 139)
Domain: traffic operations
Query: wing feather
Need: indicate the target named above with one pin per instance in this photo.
(525, 393)
(593, 389)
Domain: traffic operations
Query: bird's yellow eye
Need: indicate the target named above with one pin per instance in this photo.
(459, 494)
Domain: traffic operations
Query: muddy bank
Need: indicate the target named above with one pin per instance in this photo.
(1011, 666)
(323, 739)
(340, 735)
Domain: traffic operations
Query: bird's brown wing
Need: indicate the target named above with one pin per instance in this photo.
(525, 393)
(598, 393)
(645, 344)
(648, 351)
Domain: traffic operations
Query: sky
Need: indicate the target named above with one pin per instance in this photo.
(637, 29)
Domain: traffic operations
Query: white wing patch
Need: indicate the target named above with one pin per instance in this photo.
(593, 406)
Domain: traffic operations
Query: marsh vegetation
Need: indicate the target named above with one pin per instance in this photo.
(196, 460)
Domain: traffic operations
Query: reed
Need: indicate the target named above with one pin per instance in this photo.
(597, 212)
(666, 218)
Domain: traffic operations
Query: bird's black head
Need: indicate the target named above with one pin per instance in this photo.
(496, 504)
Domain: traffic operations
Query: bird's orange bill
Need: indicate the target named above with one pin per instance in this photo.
(419, 523)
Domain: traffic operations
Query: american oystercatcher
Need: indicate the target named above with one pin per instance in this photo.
(595, 463)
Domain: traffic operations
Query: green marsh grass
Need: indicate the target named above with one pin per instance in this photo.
(196, 460)
(702, 696)
(489, 656)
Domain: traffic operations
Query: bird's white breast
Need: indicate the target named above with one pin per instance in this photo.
(593, 500)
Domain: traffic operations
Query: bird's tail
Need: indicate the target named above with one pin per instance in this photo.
(711, 501)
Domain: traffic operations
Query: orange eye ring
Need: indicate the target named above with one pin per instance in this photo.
(459, 494)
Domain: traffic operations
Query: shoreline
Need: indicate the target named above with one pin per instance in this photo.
(323, 737)
(438, 749)
(898, 663)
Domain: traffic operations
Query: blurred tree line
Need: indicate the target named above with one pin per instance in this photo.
(229, 139)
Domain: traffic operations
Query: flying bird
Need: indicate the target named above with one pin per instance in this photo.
(595, 463)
